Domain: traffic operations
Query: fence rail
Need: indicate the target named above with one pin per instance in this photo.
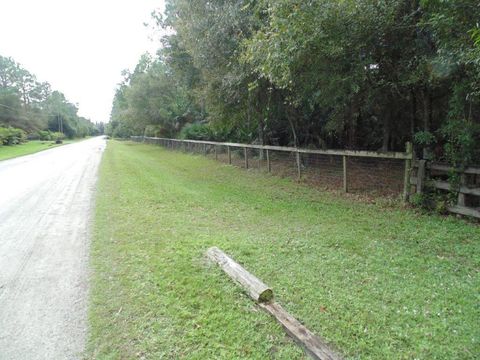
(385, 173)
(436, 175)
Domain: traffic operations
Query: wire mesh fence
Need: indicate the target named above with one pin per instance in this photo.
(365, 172)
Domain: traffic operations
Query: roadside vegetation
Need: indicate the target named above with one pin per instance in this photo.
(377, 281)
(31, 110)
(354, 74)
(30, 147)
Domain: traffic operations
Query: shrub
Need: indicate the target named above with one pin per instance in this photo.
(197, 131)
(208, 132)
(154, 131)
(12, 136)
(44, 135)
(462, 142)
(55, 136)
(431, 199)
(122, 131)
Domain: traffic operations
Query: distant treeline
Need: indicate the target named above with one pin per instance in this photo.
(357, 74)
(33, 107)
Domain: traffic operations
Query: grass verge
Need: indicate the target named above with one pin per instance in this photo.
(30, 147)
(377, 282)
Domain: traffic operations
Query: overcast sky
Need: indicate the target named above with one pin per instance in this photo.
(79, 46)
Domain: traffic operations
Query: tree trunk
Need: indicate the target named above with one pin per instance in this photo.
(292, 127)
(386, 131)
(427, 119)
(413, 119)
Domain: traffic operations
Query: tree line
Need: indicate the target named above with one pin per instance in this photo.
(30, 108)
(356, 74)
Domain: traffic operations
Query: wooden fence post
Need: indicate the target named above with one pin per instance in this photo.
(215, 150)
(345, 183)
(245, 153)
(461, 196)
(229, 155)
(421, 176)
(269, 168)
(299, 166)
(408, 169)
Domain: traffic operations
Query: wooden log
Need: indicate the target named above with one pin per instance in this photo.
(313, 345)
(255, 288)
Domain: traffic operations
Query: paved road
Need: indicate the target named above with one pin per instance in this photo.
(45, 207)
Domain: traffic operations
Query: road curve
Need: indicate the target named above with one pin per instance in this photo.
(46, 202)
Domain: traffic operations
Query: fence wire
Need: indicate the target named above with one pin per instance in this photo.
(364, 175)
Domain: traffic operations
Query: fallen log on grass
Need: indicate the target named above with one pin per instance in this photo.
(257, 290)
(313, 345)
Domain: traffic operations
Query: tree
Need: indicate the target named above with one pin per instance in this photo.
(324, 73)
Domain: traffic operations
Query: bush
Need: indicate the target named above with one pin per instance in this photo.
(12, 136)
(431, 199)
(154, 131)
(462, 142)
(44, 135)
(122, 131)
(197, 131)
(214, 132)
(57, 136)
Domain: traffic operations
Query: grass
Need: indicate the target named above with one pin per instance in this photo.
(30, 147)
(377, 282)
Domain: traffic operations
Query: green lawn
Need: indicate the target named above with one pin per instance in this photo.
(377, 282)
(30, 147)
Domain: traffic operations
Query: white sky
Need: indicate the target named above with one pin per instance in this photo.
(79, 46)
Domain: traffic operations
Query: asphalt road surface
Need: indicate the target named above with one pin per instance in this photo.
(46, 203)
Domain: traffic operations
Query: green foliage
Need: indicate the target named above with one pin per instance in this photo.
(430, 199)
(58, 136)
(154, 130)
(29, 147)
(461, 149)
(12, 136)
(122, 131)
(358, 74)
(32, 106)
(150, 98)
(47, 135)
(425, 138)
(462, 142)
(197, 131)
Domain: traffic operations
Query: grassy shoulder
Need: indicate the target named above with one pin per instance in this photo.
(376, 282)
(30, 147)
